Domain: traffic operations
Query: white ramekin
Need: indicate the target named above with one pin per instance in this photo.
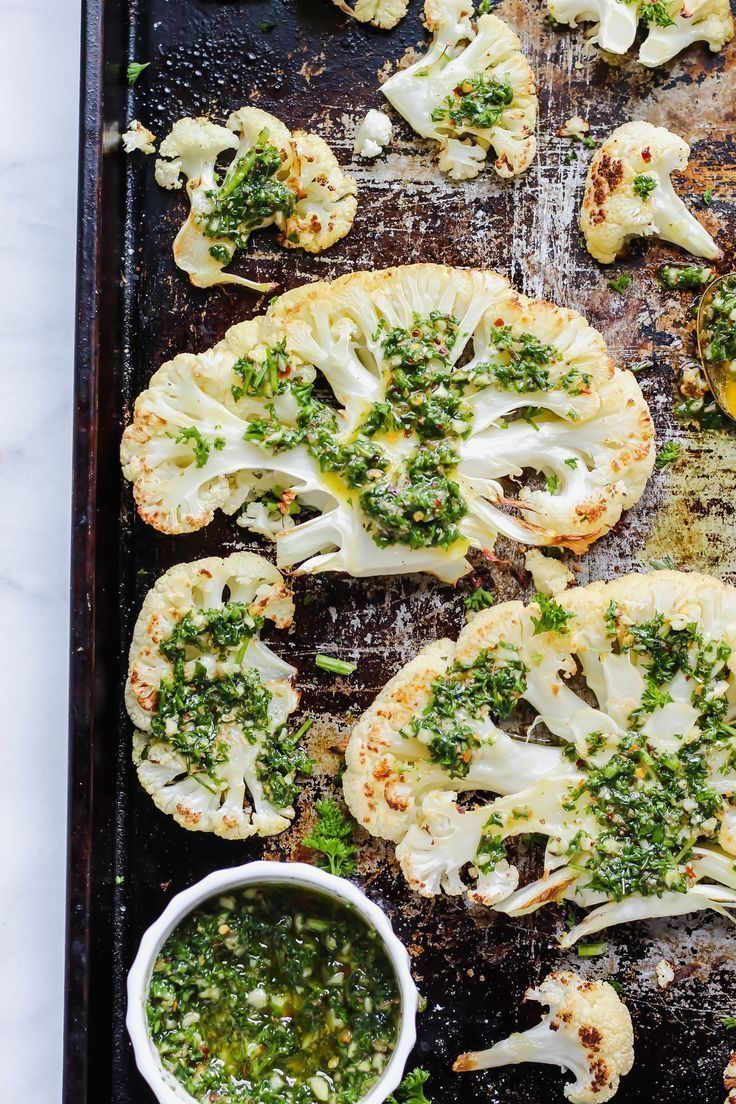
(165, 1086)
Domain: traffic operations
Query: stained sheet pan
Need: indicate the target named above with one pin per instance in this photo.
(317, 68)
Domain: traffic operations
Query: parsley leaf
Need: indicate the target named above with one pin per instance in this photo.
(331, 836)
(480, 599)
(552, 617)
(621, 283)
(644, 185)
(411, 1089)
(135, 69)
(728, 1021)
(669, 452)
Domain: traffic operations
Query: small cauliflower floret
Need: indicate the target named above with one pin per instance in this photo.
(576, 127)
(629, 194)
(473, 92)
(550, 576)
(292, 181)
(138, 137)
(587, 1031)
(616, 21)
(691, 21)
(373, 134)
(665, 973)
(210, 702)
(385, 14)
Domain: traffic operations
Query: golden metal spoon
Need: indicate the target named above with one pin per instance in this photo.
(721, 375)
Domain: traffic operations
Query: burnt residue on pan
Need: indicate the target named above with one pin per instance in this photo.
(315, 67)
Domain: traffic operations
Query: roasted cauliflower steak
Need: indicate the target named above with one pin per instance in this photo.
(370, 426)
(474, 92)
(628, 688)
(275, 178)
(210, 702)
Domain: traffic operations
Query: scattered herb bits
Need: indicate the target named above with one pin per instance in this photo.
(333, 665)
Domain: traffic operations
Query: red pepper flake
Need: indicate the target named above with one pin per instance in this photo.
(498, 322)
(646, 154)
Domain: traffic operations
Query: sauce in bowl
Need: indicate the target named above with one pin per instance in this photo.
(274, 995)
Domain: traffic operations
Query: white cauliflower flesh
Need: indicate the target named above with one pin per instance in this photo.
(385, 14)
(672, 25)
(139, 137)
(473, 92)
(587, 1031)
(443, 383)
(274, 178)
(373, 134)
(629, 194)
(550, 576)
(633, 680)
(210, 702)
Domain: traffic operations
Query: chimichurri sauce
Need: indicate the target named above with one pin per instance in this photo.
(274, 996)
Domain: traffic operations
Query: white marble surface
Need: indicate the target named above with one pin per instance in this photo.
(39, 81)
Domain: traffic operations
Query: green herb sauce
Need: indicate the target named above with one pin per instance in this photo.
(719, 324)
(274, 996)
(194, 705)
(249, 195)
(478, 102)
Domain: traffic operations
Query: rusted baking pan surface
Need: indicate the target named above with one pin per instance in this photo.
(319, 69)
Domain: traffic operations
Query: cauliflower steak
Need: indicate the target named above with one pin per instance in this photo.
(372, 425)
(671, 25)
(275, 178)
(210, 702)
(473, 92)
(629, 194)
(634, 681)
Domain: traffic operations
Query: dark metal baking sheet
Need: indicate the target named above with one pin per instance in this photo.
(318, 68)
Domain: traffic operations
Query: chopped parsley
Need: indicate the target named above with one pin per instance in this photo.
(411, 1089)
(668, 453)
(478, 103)
(200, 444)
(334, 666)
(479, 599)
(621, 283)
(719, 318)
(685, 277)
(708, 197)
(489, 686)
(644, 185)
(249, 194)
(657, 13)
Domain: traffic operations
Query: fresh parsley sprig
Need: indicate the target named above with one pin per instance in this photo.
(331, 837)
(552, 617)
(411, 1089)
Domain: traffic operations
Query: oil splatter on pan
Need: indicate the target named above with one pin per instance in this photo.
(316, 68)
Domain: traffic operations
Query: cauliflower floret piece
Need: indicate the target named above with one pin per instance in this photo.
(301, 190)
(550, 576)
(326, 197)
(588, 1031)
(617, 20)
(665, 973)
(576, 127)
(474, 83)
(385, 14)
(629, 194)
(691, 21)
(139, 137)
(216, 764)
(373, 134)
